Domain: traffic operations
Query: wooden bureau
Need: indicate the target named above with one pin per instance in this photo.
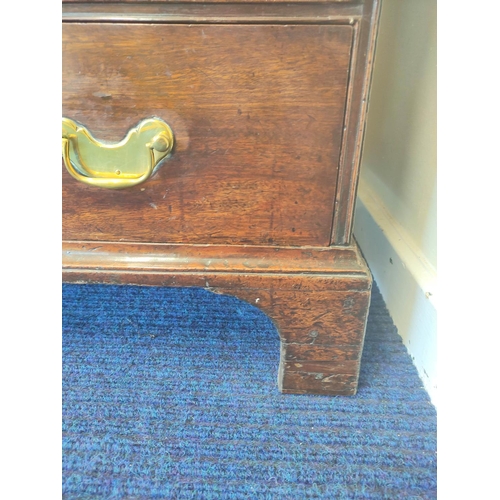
(217, 145)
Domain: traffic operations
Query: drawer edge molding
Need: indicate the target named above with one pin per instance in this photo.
(89, 256)
(363, 55)
(315, 13)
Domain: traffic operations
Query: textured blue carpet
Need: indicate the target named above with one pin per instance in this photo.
(172, 393)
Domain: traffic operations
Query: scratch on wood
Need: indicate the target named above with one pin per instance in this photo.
(102, 95)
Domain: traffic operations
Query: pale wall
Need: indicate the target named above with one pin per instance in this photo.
(396, 209)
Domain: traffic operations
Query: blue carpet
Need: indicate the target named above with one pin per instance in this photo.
(172, 393)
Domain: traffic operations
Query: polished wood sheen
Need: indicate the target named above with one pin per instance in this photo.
(267, 102)
(216, 13)
(317, 298)
(257, 114)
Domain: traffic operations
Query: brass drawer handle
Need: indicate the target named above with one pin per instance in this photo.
(120, 165)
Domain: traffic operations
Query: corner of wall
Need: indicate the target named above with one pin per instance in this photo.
(406, 280)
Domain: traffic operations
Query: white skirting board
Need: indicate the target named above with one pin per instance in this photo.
(406, 279)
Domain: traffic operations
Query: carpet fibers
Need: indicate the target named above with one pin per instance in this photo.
(172, 393)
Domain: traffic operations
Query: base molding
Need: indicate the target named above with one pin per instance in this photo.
(406, 280)
(318, 298)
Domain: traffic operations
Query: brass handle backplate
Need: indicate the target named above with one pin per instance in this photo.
(116, 165)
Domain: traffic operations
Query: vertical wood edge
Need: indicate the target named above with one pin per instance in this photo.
(357, 114)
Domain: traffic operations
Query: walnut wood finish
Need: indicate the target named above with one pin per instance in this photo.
(318, 299)
(362, 16)
(215, 13)
(257, 112)
(365, 35)
(267, 101)
(213, 258)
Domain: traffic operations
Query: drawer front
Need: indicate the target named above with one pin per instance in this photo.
(257, 112)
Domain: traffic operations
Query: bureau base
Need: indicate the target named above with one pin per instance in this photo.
(318, 298)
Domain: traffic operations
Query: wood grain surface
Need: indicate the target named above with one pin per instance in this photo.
(267, 101)
(317, 298)
(215, 13)
(257, 112)
(365, 36)
(211, 258)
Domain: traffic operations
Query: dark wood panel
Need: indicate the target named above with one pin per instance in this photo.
(307, 352)
(211, 258)
(282, 13)
(322, 367)
(320, 318)
(257, 112)
(365, 35)
(267, 101)
(309, 310)
(325, 318)
(297, 382)
(213, 281)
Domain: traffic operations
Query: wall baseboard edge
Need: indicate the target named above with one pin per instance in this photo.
(407, 281)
